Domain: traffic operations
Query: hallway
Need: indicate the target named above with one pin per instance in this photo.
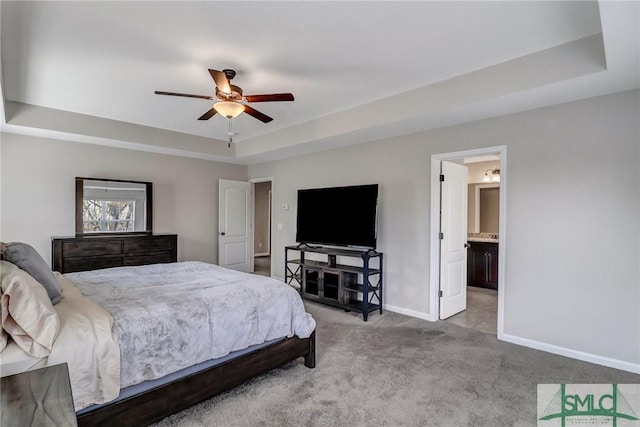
(262, 266)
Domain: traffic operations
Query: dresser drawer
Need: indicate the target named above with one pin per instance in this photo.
(141, 246)
(150, 259)
(85, 264)
(88, 247)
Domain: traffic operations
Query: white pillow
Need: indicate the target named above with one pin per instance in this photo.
(27, 313)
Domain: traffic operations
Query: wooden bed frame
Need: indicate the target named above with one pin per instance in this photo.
(160, 402)
(157, 403)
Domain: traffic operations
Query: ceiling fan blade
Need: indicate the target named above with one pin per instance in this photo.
(221, 80)
(158, 92)
(208, 114)
(270, 98)
(257, 114)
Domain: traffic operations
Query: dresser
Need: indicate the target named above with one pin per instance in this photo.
(71, 254)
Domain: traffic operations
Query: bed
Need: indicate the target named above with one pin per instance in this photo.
(152, 392)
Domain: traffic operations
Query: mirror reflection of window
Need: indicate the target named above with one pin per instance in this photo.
(104, 216)
(113, 207)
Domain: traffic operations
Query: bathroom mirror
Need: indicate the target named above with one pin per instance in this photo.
(111, 206)
(484, 208)
(489, 209)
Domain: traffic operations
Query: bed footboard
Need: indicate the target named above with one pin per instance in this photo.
(155, 404)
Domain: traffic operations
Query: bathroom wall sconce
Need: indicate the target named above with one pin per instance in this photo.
(491, 175)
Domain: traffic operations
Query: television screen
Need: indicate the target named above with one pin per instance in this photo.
(343, 216)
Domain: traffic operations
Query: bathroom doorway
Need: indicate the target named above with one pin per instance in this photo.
(483, 231)
(262, 193)
(481, 283)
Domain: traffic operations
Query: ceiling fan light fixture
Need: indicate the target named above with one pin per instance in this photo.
(228, 109)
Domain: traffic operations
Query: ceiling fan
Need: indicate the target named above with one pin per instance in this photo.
(230, 100)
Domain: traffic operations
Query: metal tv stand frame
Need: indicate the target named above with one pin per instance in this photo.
(351, 287)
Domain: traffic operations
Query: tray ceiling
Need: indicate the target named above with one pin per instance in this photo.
(358, 70)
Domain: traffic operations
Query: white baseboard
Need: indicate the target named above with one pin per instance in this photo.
(407, 312)
(574, 354)
(549, 348)
(261, 254)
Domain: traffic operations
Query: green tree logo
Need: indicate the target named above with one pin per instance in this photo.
(589, 406)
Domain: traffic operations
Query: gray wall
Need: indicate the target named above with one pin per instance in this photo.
(573, 209)
(38, 191)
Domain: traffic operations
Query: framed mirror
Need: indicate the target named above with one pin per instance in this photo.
(112, 206)
(484, 208)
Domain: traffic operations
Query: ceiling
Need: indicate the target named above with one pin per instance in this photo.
(87, 71)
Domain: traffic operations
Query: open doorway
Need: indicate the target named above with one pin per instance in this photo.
(483, 231)
(262, 227)
(478, 277)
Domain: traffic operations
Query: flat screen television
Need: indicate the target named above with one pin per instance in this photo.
(338, 216)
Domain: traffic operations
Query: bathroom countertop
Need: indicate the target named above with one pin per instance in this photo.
(482, 237)
(482, 240)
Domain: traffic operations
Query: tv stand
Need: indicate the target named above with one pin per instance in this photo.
(323, 279)
(307, 246)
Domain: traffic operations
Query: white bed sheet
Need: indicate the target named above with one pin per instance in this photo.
(14, 360)
(85, 342)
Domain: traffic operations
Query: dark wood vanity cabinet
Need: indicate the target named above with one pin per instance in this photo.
(482, 265)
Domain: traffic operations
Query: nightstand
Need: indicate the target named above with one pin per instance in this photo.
(41, 397)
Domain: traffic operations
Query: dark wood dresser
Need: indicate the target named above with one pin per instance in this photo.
(69, 254)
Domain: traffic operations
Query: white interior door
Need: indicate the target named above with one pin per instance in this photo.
(235, 225)
(453, 251)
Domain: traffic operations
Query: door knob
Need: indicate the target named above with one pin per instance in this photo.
(222, 233)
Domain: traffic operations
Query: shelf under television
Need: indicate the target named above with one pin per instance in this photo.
(350, 306)
(326, 266)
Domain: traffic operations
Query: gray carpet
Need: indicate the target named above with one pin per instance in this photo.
(398, 371)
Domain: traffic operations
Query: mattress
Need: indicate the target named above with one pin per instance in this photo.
(14, 360)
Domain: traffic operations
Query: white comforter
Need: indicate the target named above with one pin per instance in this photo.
(87, 344)
(171, 316)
